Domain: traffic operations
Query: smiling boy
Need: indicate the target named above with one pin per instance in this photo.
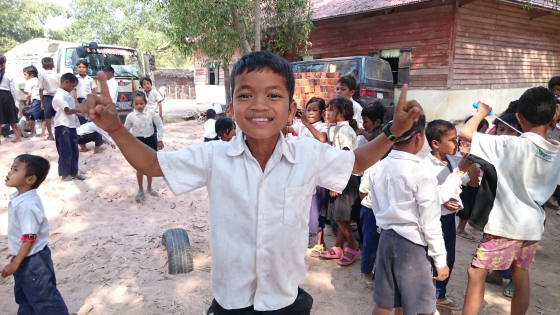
(259, 185)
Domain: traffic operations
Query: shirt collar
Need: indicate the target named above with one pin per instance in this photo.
(63, 90)
(16, 198)
(140, 113)
(552, 146)
(401, 155)
(340, 123)
(435, 160)
(238, 146)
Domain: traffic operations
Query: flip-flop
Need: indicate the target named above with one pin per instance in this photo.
(67, 179)
(152, 192)
(50, 138)
(448, 303)
(84, 150)
(38, 135)
(508, 292)
(347, 261)
(468, 237)
(139, 197)
(492, 281)
(327, 254)
(317, 250)
(79, 177)
(26, 136)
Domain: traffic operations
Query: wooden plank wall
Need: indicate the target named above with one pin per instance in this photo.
(498, 46)
(427, 30)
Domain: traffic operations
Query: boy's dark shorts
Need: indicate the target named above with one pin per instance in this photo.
(47, 106)
(404, 275)
(36, 112)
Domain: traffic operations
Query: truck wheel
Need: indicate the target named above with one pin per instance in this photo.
(179, 254)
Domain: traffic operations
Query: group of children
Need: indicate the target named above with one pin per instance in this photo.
(406, 205)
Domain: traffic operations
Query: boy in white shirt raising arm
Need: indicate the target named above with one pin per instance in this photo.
(527, 169)
(268, 229)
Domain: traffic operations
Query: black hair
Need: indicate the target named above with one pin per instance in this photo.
(68, 77)
(554, 82)
(109, 69)
(512, 107)
(82, 62)
(389, 115)
(31, 70)
(35, 166)
(483, 123)
(139, 94)
(375, 111)
(264, 60)
(537, 105)
(436, 129)
(26, 111)
(509, 118)
(47, 63)
(145, 79)
(417, 127)
(224, 126)
(210, 113)
(2, 67)
(344, 106)
(349, 81)
(321, 103)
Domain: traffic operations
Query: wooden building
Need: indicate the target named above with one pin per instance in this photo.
(451, 52)
(180, 82)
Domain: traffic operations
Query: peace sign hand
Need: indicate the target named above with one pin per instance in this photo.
(101, 109)
(406, 113)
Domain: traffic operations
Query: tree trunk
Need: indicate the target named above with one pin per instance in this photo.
(257, 13)
(227, 83)
(240, 30)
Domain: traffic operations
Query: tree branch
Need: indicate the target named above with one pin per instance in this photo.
(257, 14)
(240, 30)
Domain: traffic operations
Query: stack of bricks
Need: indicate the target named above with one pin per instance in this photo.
(315, 84)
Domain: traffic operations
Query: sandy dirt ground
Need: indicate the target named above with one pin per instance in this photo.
(109, 259)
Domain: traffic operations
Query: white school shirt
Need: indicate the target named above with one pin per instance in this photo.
(553, 134)
(527, 169)
(364, 188)
(358, 113)
(32, 86)
(7, 84)
(26, 216)
(303, 131)
(210, 129)
(113, 89)
(344, 136)
(61, 100)
(49, 81)
(141, 124)
(449, 185)
(153, 98)
(405, 199)
(91, 127)
(85, 86)
(264, 216)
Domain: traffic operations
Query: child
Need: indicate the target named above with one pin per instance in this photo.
(28, 233)
(65, 124)
(86, 84)
(372, 116)
(525, 170)
(141, 124)
(339, 206)
(442, 139)
(554, 86)
(259, 185)
(24, 125)
(48, 84)
(89, 132)
(8, 109)
(210, 126)
(153, 96)
(112, 84)
(345, 87)
(225, 129)
(33, 99)
(553, 133)
(405, 200)
(502, 128)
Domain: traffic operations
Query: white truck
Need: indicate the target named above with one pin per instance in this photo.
(128, 64)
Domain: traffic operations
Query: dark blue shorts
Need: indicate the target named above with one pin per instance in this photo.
(36, 112)
(35, 286)
(47, 106)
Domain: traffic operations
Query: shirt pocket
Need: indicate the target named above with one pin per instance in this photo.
(294, 199)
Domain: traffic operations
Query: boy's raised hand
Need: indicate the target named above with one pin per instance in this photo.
(101, 109)
(406, 113)
(483, 108)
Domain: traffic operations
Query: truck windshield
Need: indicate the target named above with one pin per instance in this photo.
(124, 61)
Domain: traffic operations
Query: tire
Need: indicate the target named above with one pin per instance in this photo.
(179, 254)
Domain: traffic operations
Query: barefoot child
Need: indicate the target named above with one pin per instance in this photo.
(141, 124)
(259, 185)
(28, 233)
(526, 168)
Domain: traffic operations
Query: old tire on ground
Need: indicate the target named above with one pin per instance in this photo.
(179, 254)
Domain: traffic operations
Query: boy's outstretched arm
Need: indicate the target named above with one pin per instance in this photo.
(102, 111)
(406, 113)
(470, 127)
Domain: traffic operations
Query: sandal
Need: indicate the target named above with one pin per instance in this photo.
(327, 254)
(508, 292)
(84, 149)
(79, 177)
(492, 281)
(448, 303)
(317, 250)
(152, 192)
(467, 236)
(50, 138)
(139, 197)
(67, 179)
(347, 261)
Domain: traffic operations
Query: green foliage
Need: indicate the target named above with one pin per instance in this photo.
(22, 20)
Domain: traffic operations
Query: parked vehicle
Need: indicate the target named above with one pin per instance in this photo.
(373, 75)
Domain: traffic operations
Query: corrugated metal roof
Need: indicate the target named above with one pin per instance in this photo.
(324, 9)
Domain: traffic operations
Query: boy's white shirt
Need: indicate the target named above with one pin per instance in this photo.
(85, 86)
(113, 89)
(405, 199)
(358, 113)
(449, 185)
(91, 127)
(141, 124)
(258, 220)
(153, 100)
(210, 129)
(527, 168)
(26, 216)
(49, 81)
(63, 99)
(32, 86)
(364, 188)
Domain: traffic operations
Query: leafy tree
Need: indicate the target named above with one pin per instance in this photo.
(22, 20)
(217, 29)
